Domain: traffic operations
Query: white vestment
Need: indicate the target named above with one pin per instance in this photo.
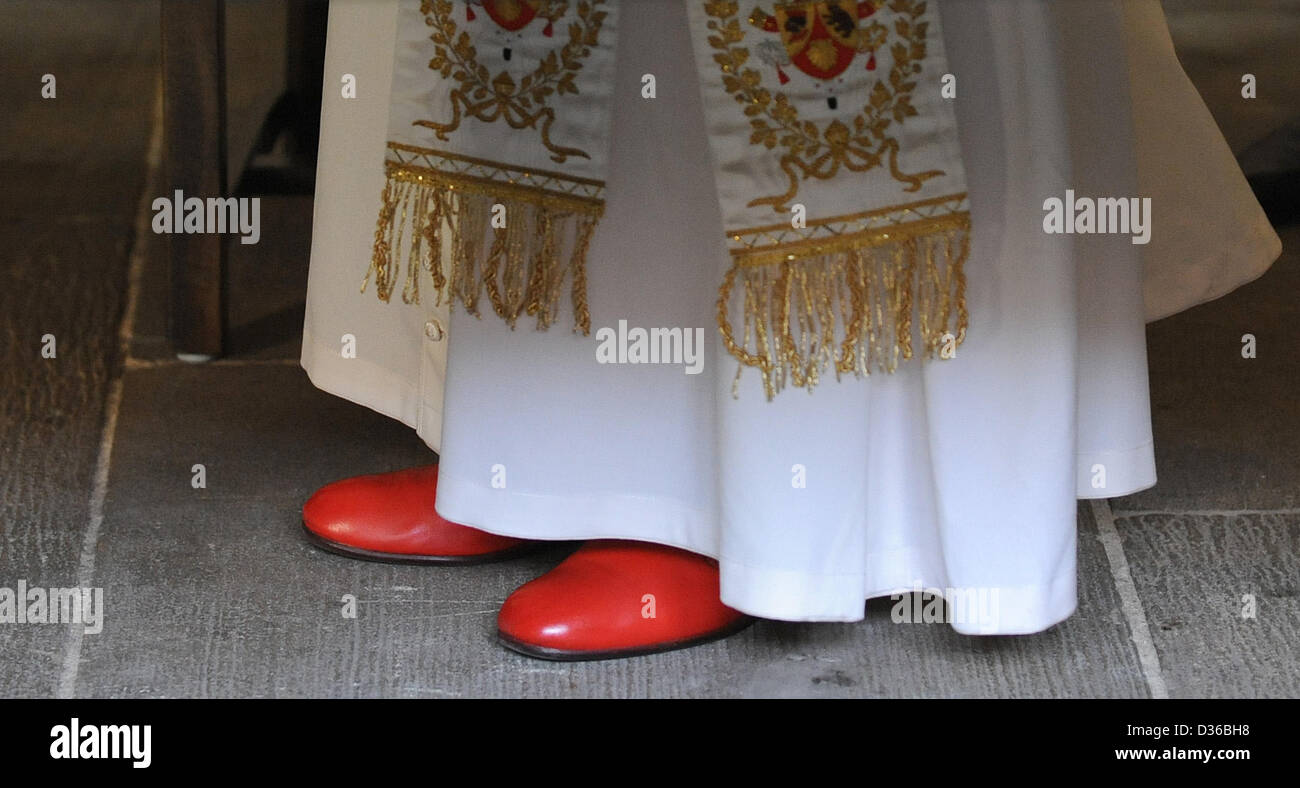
(959, 475)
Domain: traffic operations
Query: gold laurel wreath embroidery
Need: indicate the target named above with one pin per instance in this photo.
(811, 151)
(490, 98)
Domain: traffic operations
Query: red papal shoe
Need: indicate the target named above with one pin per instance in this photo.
(618, 599)
(390, 517)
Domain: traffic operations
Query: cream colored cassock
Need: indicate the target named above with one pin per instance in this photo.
(960, 474)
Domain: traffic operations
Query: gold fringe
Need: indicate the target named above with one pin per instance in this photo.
(521, 270)
(865, 288)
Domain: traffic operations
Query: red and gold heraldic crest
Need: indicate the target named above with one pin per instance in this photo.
(821, 39)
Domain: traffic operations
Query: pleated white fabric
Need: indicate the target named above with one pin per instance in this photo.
(959, 475)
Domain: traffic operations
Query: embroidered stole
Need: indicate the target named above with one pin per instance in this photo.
(838, 171)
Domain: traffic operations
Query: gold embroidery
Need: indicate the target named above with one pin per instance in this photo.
(841, 294)
(854, 293)
(809, 150)
(775, 242)
(489, 97)
(553, 189)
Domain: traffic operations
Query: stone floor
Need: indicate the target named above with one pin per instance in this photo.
(213, 592)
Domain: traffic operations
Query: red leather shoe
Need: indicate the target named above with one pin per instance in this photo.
(390, 517)
(618, 599)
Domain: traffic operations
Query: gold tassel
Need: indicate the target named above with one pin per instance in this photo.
(381, 259)
(848, 309)
(521, 266)
(578, 264)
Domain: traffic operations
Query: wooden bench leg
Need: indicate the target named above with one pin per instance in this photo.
(194, 106)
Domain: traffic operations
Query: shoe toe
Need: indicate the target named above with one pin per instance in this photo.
(535, 615)
(327, 512)
(393, 515)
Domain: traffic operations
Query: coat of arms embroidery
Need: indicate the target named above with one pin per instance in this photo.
(523, 103)
(821, 40)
